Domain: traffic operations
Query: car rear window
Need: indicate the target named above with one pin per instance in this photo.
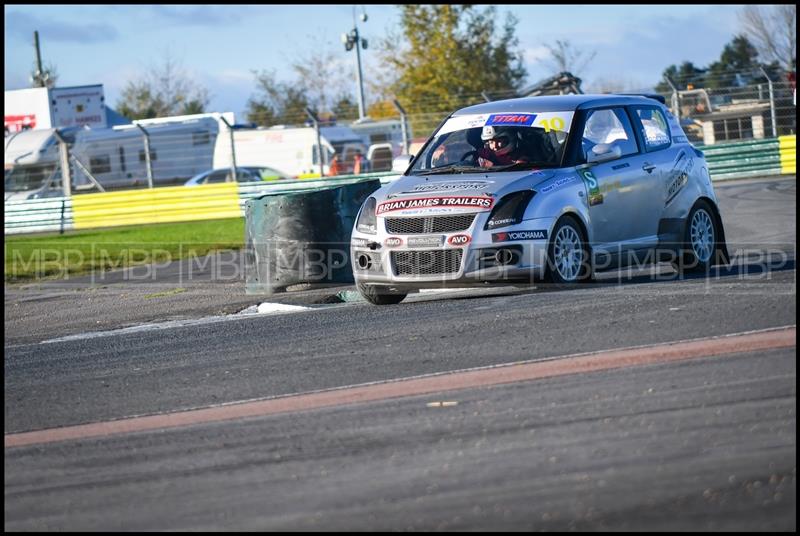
(654, 129)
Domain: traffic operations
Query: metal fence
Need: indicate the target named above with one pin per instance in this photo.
(750, 158)
(158, 205)
(745, 130)
(747, 112)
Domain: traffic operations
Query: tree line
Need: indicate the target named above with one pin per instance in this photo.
(441, 56)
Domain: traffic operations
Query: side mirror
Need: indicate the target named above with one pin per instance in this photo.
(400, 163)
(604, 152)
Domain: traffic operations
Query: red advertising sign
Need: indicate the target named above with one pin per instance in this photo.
(18, 123)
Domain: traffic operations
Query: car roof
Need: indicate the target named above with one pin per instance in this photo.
(237, 167)
(554, 103)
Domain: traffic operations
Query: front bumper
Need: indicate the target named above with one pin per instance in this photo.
(388, 260)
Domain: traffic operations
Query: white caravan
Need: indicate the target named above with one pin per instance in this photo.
(381, 131)
(290, 150)
(115, 157)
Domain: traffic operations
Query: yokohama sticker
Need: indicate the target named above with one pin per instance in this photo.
(520, 235)
(480, 202)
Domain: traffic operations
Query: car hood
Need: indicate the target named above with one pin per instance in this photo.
(452, 194)
(467, 184)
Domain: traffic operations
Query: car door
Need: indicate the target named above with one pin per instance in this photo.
(623, 197)
(653, 130)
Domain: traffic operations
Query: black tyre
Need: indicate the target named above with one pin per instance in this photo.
(568, 256)
(700, 240)
(375, 296)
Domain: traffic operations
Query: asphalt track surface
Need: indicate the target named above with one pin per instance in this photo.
(703, 444)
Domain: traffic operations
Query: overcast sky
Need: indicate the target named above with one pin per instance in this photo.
(219, 46)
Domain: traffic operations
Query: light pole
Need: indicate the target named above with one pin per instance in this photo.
(41, 77)
(351, 40)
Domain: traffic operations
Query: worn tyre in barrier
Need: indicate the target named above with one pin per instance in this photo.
(301, 237)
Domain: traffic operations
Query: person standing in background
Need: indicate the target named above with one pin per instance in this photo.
(335, 167)
(358, 163)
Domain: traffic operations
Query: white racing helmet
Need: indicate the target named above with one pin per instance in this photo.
(505, 136)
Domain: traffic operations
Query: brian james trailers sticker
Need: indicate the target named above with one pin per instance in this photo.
(484, 203)
(520, 235)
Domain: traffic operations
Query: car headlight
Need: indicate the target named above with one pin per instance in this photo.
(509, 210)
(367, 222)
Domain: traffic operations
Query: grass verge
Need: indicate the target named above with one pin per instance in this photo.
(54, 256)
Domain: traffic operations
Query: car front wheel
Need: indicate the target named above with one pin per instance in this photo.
(568, 258)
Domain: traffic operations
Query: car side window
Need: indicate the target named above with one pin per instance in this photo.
(217, 176)
(243, 175)
(653, 127)
(607, 126)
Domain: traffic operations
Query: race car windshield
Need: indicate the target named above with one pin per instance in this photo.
(492, 148)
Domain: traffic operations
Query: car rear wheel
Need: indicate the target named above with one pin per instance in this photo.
(568, 254)
(700, 240)
(377, 296)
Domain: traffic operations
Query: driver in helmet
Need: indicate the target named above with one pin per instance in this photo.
(501, 147)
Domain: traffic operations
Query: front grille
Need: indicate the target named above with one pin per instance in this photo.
(429, 262)
(432, 224)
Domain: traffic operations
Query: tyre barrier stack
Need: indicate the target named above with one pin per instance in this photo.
(303, 237)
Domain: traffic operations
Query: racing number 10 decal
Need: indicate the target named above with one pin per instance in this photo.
(555, 123)
(595, 197)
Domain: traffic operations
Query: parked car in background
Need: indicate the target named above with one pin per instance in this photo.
(243, 174)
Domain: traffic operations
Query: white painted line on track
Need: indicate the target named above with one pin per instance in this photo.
(444, 289)
(264, 309)
(278, 308)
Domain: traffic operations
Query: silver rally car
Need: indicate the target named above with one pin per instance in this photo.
(551, 188)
